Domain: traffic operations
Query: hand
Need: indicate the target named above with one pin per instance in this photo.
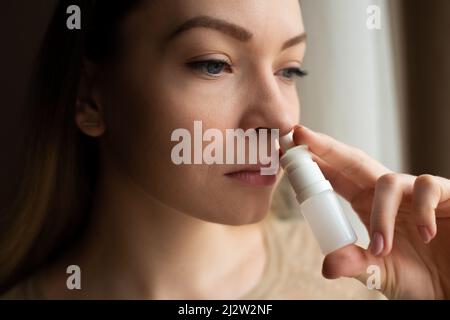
(408, 219)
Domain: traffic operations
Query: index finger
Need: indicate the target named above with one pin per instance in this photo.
(349, 161)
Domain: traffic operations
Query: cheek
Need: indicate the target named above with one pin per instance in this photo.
(139, 129)
(296, 111)
(139, 134)
(293, 102)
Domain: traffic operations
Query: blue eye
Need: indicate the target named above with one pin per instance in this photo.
(210, 67)
(290, 73)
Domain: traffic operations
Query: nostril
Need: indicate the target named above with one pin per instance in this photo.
(281, 131)
(259, 128)
(286, 130)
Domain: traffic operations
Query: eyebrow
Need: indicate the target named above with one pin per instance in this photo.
(228, 28)
(294, 41)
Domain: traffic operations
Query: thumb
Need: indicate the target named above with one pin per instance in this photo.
(355, 262)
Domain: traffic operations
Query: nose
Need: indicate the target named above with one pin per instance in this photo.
(269, 104)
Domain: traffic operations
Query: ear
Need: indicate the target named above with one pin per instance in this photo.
(89, 112)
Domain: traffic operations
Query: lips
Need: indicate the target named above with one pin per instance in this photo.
(251, 175)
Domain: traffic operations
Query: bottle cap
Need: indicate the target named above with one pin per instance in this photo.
(304, 174)
(287, 141)
(291, 152)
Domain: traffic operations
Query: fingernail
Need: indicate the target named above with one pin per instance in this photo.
(377, 243)
(425, 233)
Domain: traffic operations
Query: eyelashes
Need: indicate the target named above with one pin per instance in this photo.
(216, 67)
(290, 73)
(211, 67)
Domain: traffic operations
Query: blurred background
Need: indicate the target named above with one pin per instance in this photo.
(386, 91)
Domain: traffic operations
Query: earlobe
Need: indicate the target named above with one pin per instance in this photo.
(89, 119)
(88, 114)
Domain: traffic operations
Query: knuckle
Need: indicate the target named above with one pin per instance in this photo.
(425, 181)
(389, 179)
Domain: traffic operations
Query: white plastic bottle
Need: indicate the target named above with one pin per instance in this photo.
(318, 202)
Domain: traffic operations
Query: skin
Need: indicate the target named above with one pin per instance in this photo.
(166, 231)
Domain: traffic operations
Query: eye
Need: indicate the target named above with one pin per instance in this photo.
(290, 73)
(210, 67)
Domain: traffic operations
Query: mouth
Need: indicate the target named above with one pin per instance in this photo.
(251, 176)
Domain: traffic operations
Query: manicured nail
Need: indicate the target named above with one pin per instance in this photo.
(425, 233)
(377, 243)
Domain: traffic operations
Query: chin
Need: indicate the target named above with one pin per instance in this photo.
(241, 216)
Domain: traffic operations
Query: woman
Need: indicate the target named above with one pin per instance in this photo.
(102, 193)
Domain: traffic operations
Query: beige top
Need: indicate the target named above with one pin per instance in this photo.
(294, 267)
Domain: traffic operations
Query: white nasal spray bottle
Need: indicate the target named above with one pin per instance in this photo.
(318, 202)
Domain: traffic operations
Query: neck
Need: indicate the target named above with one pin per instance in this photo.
(139, 246)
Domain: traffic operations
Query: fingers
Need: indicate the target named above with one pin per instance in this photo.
(349, 161)
(426, 196)
(346, 262)
(443, 209)
(354, 262)
(389, 192)
(392, 193)
(341, 183)
(429, 191)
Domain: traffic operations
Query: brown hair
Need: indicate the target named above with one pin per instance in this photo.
(52, 206)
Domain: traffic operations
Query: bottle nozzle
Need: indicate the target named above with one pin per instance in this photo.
(287, 141)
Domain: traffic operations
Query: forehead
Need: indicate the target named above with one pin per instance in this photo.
(263, 18)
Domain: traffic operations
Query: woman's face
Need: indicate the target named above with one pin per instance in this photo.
(161, 82)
